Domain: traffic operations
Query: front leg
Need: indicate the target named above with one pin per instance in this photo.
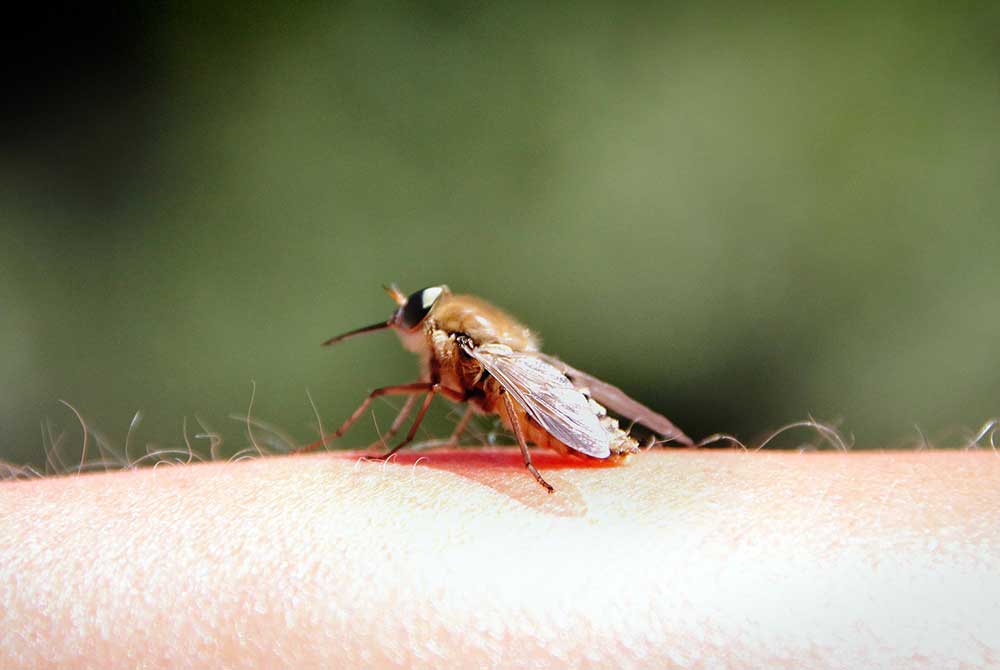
(399, 389)
(434, 390)
(397, 423)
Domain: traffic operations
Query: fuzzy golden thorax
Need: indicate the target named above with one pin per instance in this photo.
(482, 322)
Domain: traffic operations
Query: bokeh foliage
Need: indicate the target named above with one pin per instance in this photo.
(742, 214)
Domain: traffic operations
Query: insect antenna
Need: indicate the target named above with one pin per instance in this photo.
(359, 331)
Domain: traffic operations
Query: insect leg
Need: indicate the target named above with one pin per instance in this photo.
(399, 389)
(519, 434)
(463, 423)
(396, 424)
(413, 429)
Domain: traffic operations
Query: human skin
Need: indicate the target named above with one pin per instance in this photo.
(681, 558)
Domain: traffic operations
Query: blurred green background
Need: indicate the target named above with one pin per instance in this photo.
(744, 215)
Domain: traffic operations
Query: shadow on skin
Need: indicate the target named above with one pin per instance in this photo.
(503, 471)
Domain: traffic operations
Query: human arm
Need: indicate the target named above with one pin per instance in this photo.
(682, 557)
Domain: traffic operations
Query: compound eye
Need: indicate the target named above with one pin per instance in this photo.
(418, 306)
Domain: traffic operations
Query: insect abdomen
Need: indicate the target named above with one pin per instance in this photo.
(620, 443)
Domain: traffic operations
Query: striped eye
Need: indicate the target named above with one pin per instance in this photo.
(418, 306)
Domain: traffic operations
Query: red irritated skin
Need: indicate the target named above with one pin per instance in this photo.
(473, 352)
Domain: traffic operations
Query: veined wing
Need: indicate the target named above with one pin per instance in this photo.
(547, 396)
(620, 403)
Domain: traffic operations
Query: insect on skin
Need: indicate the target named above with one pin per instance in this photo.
(472, 352)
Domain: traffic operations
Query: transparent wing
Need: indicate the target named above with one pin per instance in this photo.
(619, 402)
(547, 396)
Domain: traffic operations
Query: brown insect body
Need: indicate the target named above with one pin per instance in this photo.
(473, 352)
(444, 360)
(436, 342)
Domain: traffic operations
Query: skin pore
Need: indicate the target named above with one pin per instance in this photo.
(704, 558)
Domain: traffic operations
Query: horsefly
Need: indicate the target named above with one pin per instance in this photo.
(472, 352)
